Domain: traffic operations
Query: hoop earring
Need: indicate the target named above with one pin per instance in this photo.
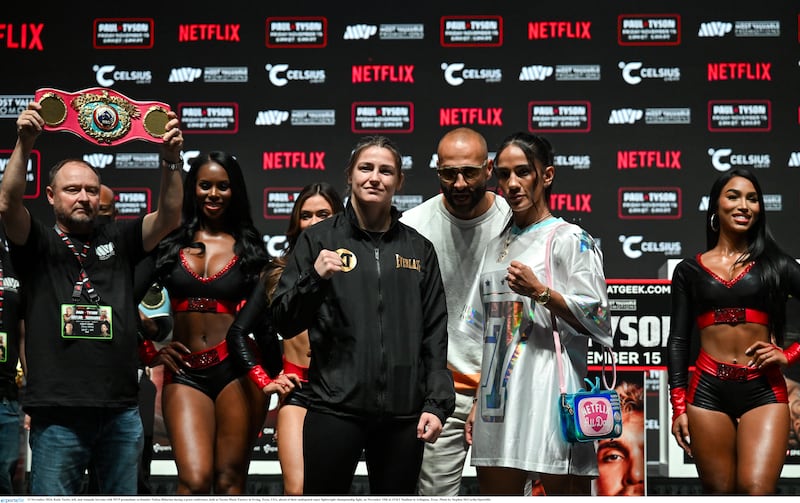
(713, 223)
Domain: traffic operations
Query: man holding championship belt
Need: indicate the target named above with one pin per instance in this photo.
(81, 387)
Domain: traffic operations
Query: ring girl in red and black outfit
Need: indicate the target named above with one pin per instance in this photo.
(213, 406)
(732, 415)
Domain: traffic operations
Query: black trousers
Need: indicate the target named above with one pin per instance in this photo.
(332, 447)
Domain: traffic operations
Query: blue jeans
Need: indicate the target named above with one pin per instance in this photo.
(67, 441)
(10, 429)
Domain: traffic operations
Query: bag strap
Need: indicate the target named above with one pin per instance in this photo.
(557, 338)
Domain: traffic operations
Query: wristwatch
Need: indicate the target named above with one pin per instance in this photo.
(544, 297)
(173, 166)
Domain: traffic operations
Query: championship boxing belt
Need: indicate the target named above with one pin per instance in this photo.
(102, 116)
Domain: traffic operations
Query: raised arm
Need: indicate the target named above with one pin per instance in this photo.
(15, 216)
(167, 215)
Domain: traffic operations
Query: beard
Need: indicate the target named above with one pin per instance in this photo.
(475, 196)
(80, 222)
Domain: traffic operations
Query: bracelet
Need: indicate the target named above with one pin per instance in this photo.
(173, 166)
(258, 376)
(792, 353)
(147, 352)
(677, 397)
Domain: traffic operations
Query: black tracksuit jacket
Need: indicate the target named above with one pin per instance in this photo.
(378, 331)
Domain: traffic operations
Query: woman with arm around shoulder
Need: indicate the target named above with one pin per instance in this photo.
(732, 416)
(213, 408)
(315, 203)
(539, 267)
(368, 290)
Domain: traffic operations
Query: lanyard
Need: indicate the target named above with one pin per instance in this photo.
(83, 278)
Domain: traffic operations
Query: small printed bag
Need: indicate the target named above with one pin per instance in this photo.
(586, 415)
(590, 415)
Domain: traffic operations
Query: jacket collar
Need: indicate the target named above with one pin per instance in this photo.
(350, 213)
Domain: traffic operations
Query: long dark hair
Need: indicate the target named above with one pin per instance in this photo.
(323, 189)
(761, 248)
(238, 221)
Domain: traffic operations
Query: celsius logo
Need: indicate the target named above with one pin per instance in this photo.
(360, 31)
(280, 75)
(739, 71)
(107, 75)
(632, 159)
(573, 161)
(188, 157)
(185, 74)
(635, 246)
(271, 117)
(634, 72)
(275, 244)
(539, 30)
(455, 74)
(625, 116)
(383, 73)
(794, 160)
(724, 159)
(99, 161)
(26, 36)
(535, 72)
(714, 29)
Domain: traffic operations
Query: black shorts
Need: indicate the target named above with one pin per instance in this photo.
(210, 380)
(734, 389)
(298, 397)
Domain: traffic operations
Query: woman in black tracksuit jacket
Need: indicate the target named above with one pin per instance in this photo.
(368, 290)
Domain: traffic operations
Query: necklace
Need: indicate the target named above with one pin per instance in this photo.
(514, 232)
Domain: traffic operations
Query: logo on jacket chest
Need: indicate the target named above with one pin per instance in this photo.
(349, 260)
(407, 263)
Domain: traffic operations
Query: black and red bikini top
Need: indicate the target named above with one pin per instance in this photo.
(717, 300)
(222, 292)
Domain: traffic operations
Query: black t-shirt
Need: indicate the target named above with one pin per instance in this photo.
(74, 372)
(10, 323)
